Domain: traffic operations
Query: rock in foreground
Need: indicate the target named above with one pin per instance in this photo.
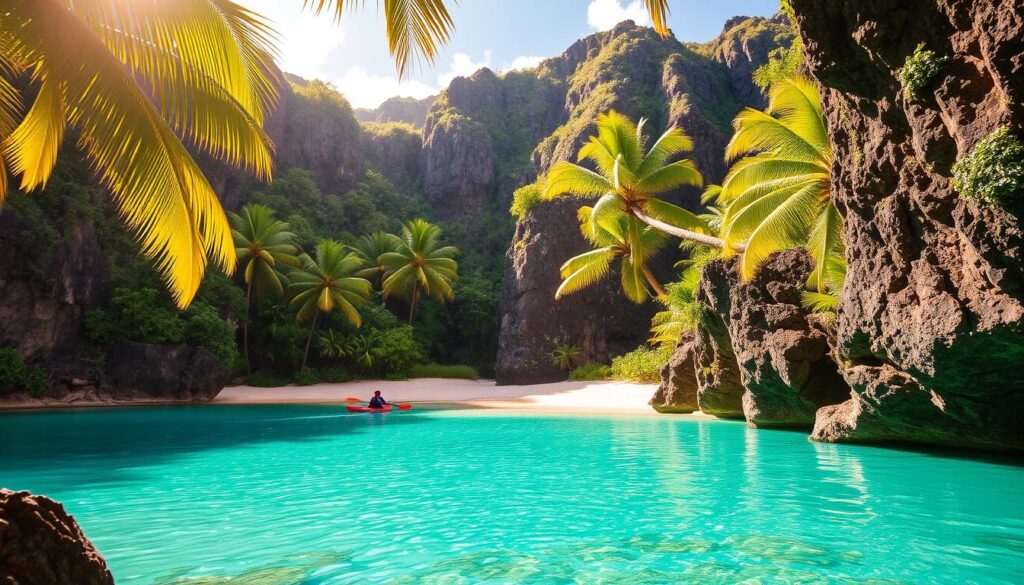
(41, 544)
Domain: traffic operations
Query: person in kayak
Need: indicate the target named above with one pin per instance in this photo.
(378, 401)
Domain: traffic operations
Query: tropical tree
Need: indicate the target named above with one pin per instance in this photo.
(133, 81)
(627, 239)
(420, 266)
(779, 197)
(332, 344)
(365, 350)
(630, 177)
(264, 247)
(564, 356)
(370, 248)
(326, 283)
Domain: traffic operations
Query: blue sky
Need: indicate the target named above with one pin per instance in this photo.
(500, 34)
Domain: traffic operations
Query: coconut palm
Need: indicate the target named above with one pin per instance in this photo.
(370, 248)
(779, 197)
(365, 350)
(420, 266)
(133, 81)
(564, 356)
(326, 283)
(627, 239)
(332, 344)
(264, 247)
(629, 179)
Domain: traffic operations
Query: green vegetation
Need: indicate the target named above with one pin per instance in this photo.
(420, 266)
(682, 311)
(993, 172)
(526, 197)
(642, 365)
(442, 371)
(785, 62)
(16, 376)
(590, 371)
(919, 70)
(564, 356)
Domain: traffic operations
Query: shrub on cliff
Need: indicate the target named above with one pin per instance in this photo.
(919, 70)
(994, 171)
(15, 376)
(525, 198)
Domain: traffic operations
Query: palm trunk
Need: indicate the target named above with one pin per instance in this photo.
(685, 234)
(652, 281)
(245, 329)
(412, 302)
(309, 341)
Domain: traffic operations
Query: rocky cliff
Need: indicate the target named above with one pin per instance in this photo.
(932, 320)
(398, 109)
(632, 70)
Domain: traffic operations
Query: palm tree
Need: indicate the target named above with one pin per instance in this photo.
(565, 355)
(326, 284)
(420, 266)
(627, 239)
(780, 197)
(370, 248)
(332, 344)
(365, 350)
(263, 246)
(133, 81)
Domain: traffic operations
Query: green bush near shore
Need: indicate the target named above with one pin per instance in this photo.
(443, 371)
(590, 372)
(15, 376)
(641, 365)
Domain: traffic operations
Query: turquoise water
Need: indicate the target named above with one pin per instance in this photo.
(304, 495)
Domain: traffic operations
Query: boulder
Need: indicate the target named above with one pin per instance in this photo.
(719, 384)
(164, 373)
(677, 393)
(41, 544)
(932, 318)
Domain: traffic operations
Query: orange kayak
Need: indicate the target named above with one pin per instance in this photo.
(367, 409)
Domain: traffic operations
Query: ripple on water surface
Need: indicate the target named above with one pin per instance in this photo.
(304, 495)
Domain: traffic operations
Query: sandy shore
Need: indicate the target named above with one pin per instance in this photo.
(556, 397)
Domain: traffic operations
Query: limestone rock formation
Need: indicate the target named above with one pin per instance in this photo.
(599, 320)
(394, 150)
(743, 46)
(677, 393)
(719, 383)
(41, 544)
(43, 312)
(932, 320)
(398, 109)
(458, 166)
(164, 373)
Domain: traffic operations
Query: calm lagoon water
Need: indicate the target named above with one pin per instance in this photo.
(278, 495)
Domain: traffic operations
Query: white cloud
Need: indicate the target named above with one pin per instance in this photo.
(304, 39)
(525, 62)
(605, 14)
(463, 66)
(365, 90)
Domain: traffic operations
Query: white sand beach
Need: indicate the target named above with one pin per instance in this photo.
(555, 397)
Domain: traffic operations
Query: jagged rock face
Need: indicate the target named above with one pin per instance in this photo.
(599, 320)
(677, 393)
(931, 318)
(40, 315)
(41, 544)
(398, 109)
(458, 167)
(782, 353)
(394, 151)
(165, 373)
(744, 46)
(719, 383)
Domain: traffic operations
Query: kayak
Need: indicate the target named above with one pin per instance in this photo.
(367, 409)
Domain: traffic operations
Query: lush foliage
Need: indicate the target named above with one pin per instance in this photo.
(525, 198)
(994, 171)
(682, 311)
(420, 266)
(15, 376)
(590, 371)
(786, 61)
(641, 365)
(443, 371)
(919, 69)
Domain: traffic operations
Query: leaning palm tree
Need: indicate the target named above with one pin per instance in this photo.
(134, 81)
(626, 239)
(630, 177)
(326, 283)
(779, 197)
(264, 247)
(370, 248)
(420, 266)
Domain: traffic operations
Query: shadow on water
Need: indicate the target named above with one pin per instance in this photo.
(103, 446)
